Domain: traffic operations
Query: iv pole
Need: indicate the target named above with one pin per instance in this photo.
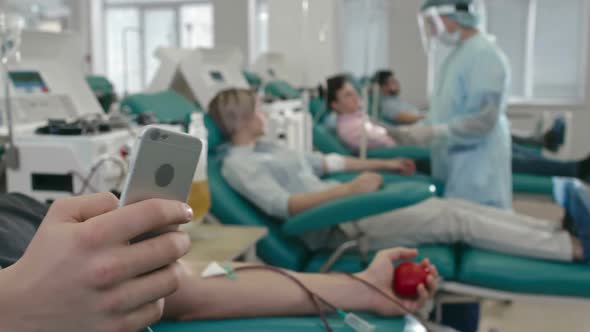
(305, 95)
(10, 30)
(366, 90)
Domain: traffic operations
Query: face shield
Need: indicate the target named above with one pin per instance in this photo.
(431, 23)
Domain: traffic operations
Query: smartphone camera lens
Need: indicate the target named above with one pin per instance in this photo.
(155, 135)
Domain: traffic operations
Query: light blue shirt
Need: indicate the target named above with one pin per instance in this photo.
(268, 174)
(392, 106)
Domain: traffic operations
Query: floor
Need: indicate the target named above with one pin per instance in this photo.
(569, 315)
(539, 316)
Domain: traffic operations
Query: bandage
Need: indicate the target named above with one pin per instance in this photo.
(215, 269)
(334, 163)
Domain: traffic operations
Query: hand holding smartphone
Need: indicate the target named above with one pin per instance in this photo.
(162, 166)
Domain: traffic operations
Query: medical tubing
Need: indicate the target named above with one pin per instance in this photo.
(385, 295)
(312, 296)
(85, 183)
(86, 180)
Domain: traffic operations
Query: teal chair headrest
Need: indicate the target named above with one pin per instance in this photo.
(99, 84)
(254, 80)
(215, 137)
(167, 106)
(281, 89)
(318, 105)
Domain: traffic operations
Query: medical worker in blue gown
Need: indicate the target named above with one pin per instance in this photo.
(467, 128)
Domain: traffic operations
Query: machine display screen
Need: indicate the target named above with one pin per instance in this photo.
(217, 76)
(28, 81)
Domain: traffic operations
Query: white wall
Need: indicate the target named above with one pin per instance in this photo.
(79, 23)
(579, 129)
(364, 32)
(231, 24)
(313, 46)
(577, 133)
(408, 59)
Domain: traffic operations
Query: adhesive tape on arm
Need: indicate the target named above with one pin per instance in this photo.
(335, 163)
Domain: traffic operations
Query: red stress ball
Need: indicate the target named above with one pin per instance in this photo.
(407, 277)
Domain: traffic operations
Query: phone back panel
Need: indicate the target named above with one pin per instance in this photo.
(162, 166)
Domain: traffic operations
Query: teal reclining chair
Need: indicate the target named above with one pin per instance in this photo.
(103, 89)
(465, 270)
(166, 106)
(282, 324)
(459, 265)
(326, 141)
(278, 89)
(283, 248)
(275, 89)
(254, 80)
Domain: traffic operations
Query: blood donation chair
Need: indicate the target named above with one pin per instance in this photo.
(278, 248)
(326, 141)
(467, 272)
(103, 90)
(167, 106)
(254, 80)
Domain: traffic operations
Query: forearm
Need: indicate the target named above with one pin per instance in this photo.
(364, 165)
(249, 295)
(408, 118)
(301, 202)
(476, 126)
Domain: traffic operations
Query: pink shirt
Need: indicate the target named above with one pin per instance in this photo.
(350, 130)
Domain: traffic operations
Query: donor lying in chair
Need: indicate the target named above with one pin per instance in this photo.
(284, 183)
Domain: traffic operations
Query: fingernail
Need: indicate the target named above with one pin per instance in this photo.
(189, 212)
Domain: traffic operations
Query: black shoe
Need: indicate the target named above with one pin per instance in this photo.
(584, 170)
(555, 137)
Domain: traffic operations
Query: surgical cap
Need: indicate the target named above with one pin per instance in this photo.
(464, 18)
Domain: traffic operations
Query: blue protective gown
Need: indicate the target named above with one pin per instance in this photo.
(473, 156)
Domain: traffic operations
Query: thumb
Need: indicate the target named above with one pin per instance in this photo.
(396, 254)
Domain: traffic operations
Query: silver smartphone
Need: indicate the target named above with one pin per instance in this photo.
(162, 165)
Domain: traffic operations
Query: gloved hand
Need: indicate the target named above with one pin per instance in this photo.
(417, 134)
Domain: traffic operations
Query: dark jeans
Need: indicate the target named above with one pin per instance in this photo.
(526, 160)
(575, 199)
(530, 161)
(462, 317)
(528, 141)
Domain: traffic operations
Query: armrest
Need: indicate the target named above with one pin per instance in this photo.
(532, 184)
(403, 151)
(388, 178)
(392, 197)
